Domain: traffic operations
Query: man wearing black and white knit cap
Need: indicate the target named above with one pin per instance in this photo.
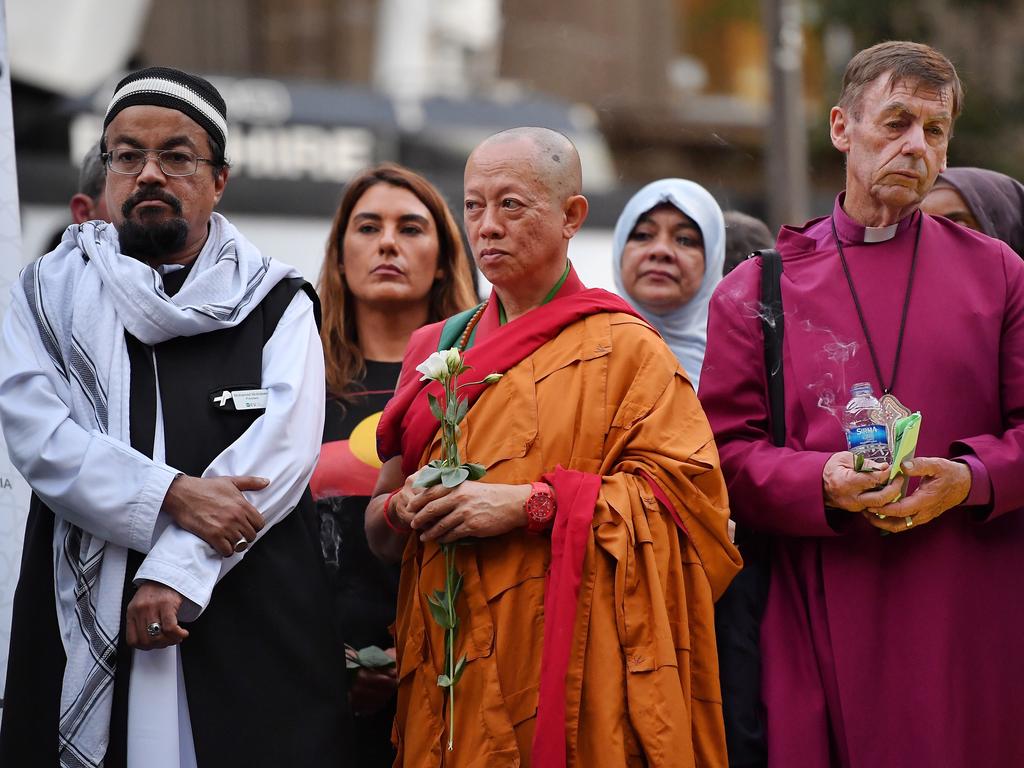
(161, 389)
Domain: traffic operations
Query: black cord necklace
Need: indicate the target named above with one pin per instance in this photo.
(860, 312)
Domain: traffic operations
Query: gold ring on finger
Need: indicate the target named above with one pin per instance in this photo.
(909, 521)
(879, 515)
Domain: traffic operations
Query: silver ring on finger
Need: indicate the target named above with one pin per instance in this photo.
(241, 545)
(153, 629)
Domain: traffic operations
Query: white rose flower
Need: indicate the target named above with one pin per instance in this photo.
(453, 360)
(435, 367)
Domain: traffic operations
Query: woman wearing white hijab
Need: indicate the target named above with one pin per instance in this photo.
(669, 248)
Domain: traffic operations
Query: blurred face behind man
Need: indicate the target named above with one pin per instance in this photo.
(945, 200)
(90, 203)
(85, 208)
(895, 140)
(161, 219)
(518, 219)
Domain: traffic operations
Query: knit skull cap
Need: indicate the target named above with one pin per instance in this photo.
(174, 89)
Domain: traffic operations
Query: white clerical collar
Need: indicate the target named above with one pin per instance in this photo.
(854, 232)
(880, 234)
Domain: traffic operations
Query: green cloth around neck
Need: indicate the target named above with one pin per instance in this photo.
(456, 324)
(502, 318)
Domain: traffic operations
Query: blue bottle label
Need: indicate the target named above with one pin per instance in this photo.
(869, 434)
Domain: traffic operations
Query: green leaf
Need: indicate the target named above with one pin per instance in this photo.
(428, 476)
(460, 412)
(453, 476)
(373, 657)
(459, 666)
(444, 681)
(476, 471)
(440, 614)
(435, 406)
(451, 410)
(858, 462)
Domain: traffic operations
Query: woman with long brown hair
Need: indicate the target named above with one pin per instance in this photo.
(394, 262)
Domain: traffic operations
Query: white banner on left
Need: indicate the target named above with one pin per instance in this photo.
(14, 491)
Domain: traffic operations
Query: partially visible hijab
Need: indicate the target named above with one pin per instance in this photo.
(995, 199)
(685, 328)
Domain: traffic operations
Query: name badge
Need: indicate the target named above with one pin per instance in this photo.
(240, 399)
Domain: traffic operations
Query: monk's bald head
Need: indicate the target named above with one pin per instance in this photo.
(550, 155)
(521, 207)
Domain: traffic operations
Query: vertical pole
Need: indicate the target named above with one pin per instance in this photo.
(402, 49)
(786, 183)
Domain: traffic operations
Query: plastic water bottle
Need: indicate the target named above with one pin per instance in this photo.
(865, 433)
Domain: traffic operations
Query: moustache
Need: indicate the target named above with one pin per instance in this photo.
(157, 195)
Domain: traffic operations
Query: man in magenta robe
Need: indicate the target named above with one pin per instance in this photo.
(893, 629)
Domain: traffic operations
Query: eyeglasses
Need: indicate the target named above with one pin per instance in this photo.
(173, 162)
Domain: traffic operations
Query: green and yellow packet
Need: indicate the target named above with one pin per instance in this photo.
(905, 434)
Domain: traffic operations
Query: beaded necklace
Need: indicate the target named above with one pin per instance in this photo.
(464, 338)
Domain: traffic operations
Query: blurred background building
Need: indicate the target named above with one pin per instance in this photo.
(317, 89)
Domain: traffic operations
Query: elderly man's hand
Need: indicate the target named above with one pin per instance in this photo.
(472, 509)
(402, 510)
(946, 483)
(845, 488)
(153, 604)
(214, 509)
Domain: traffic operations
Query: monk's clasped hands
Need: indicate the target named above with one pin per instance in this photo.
(472, 509)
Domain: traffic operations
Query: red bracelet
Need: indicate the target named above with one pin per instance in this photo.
(387, 516)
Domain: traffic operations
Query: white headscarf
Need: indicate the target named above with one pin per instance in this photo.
(684, 328)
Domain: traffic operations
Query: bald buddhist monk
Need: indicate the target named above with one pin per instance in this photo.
(595, 544)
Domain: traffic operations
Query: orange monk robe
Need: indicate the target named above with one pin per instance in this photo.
(607, 397)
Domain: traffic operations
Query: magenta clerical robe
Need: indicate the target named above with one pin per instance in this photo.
(902, 651)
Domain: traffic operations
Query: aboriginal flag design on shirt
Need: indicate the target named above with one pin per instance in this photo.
(348, 464)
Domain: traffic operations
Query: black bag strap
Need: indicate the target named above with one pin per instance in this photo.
(773, 330)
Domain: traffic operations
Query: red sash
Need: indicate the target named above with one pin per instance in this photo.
(577, 496)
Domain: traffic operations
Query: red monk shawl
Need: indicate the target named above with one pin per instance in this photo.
(407, 427)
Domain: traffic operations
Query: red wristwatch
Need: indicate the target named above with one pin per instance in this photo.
(540, 508)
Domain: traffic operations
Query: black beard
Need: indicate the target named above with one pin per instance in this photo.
(152, 242)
